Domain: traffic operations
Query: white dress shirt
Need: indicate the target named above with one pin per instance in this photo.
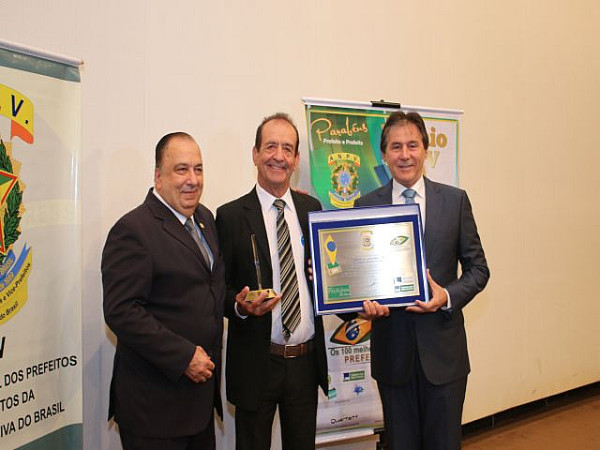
(306, 329)
(418, 187)
(399, 199)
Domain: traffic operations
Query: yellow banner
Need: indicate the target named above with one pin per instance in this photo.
(19, 109)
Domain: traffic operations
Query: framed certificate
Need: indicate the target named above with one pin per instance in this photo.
(373, 253)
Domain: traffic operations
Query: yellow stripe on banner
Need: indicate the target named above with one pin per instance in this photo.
(14, 296)
(341, 204)
(19, 109)
(343, 156)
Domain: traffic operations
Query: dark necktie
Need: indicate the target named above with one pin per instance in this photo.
(191, 228)
(409, 195)
(290, 300)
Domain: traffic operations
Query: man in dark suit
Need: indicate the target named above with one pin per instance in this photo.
(273, 360)
(164, 287)
(419, 353)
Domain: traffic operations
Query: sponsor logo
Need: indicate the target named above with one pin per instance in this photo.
(339, 292)
(366, 240)
(352, 332)
(398, 241)
(332, 393)
(354, 376)
(344, 419)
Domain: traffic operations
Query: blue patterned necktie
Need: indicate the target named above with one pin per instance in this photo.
(191, 228)
(409, 195)
(290, 299)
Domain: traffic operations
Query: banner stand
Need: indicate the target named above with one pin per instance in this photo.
(345, 163)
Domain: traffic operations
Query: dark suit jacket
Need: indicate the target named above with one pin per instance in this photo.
(161, 300)
(439, 338)
(248, 340)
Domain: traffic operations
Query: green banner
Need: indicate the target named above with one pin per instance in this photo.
(344, 154)
(345, 159)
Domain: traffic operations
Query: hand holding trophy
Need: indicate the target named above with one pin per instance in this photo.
(257, 302)
(253, 295)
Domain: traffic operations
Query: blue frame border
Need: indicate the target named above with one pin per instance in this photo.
(359, 217)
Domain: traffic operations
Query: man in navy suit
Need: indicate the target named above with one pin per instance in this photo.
(164, 286)
(419, 353)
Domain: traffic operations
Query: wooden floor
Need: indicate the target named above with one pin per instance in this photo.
(573, 425)
(567, 421)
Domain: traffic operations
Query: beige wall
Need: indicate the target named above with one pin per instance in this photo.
(525, 73)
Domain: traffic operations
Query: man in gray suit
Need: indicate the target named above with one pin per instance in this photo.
(419, 353)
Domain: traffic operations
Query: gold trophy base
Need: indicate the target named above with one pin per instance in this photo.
(253, 295)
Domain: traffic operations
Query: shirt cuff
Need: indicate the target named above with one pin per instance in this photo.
(444, 308)
(241, 316)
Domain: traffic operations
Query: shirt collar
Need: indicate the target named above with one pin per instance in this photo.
(266, 199)
(418, 187)
(179, 216)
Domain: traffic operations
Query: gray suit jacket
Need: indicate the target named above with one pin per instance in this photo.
(437, 339)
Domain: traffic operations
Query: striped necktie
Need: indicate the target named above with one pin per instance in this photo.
(290, 300)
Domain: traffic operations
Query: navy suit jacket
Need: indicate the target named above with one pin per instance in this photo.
(161, 300)
(437, 339)
(249, 340)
